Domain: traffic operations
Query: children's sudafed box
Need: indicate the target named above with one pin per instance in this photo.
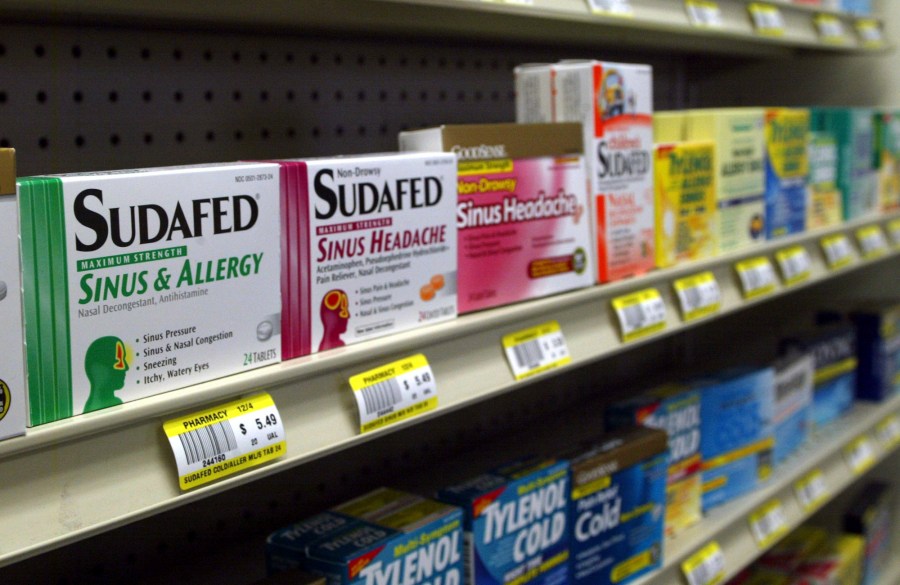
(614, 103)
(515, 523)
(370, 247)
(143, 281)
(12, 359)
(385, 536)
(617, 507)
(787, 164)
(522, 210)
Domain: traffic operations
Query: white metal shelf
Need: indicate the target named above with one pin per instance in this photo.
(68, 480)
(568, 21)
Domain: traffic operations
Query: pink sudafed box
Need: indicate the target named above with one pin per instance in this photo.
(368, 247)
(522, 209)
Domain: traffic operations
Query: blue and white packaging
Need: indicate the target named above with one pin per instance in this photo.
(617, 508)
(794, 376)
(385, 536)
(878, 350)
(735, 433)
(515, 523)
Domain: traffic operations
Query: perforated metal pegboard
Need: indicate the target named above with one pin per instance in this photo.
(77, 99)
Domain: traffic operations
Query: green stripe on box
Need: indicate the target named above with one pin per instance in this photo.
(60, 287)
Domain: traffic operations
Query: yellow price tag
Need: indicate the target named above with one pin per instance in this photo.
(394, 392)
(706, 566)
(871, 242)
(893, 227)
(869, 32)
(795, 264)
(536, 350)
(704, 13)
(767, 19)
(217, 442)
(640, 314)
(812, 490)
(698, 295)
(768, 523)
(757, 277)
(888, 432)
(831, 29)
(612, 7)
(838, 251)
(860, 454)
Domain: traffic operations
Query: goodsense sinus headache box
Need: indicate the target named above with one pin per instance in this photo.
(616, 512)
(139, 282)
(522, 210)
(12, 359)
(385, 536)
(515, 523)
(370, 246)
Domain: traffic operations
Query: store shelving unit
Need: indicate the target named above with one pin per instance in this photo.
(67, 481)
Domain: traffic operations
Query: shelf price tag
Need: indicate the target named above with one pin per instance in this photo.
(893, 227)
(860, 454)
(612, 7)
(888, 432)
(698, 295)
(757, 277)
(768, 523)
(640, 314)
(811, 490)
(831, 29)
(871, 242)
(519, 2)
(394, 392)
(220, 441)
(767, 19)
(869, 32)
(704, 13)
(536, 350)
(795, 264)
(838, 251)
(706, 566)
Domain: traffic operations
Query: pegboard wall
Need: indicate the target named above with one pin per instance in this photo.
(80, 99)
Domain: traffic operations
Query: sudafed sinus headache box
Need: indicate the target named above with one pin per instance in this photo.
(522, 210)
(139, 282)
(370, 246)
(12, 358)
(515, 523)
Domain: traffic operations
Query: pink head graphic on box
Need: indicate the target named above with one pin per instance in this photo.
(335, 313)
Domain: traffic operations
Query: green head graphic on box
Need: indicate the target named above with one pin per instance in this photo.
(105, 363)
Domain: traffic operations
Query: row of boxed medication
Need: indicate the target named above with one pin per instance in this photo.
(596, 513)
(144, 281)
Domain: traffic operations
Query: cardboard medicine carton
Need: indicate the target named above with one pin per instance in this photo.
(12, 359)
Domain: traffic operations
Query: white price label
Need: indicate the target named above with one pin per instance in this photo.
(641, 313)
(704, 13)
(394, 392)
(699, 295)
(795, 264)
(519, 2)
(838, 251)
(768, 523)
(831, 29)
(220, 441)
(888, 432)
(536, 350)
(767, 19)
(612, 7)
(894, 229)
(706, 566)
(869, 32)
(860, 454)
(811, 490)
(871, 241)
(757, 277)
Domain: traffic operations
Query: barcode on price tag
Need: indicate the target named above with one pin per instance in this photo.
(612, 7)
(703, 13)
(871, 241)
(641, 313)
(768, 523)
(220, 441)
(888, 432)
(536, 350)
(831, 29)
(894, 229)
(767, 19)
(869, 32)
(706, 566)
(394, 392)
(838, 251)
(757, 277)
(811, 490)
(860, 454)
(795, 264)
(698, 295)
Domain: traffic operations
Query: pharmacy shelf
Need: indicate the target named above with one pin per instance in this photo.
(71, 479)
(570, 21)
(827, 453)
